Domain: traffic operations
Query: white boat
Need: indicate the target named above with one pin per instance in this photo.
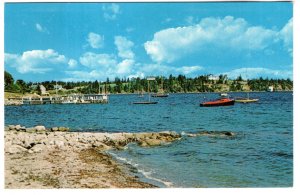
(246, 100)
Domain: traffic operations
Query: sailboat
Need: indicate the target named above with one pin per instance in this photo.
(161, 94)
(246, 100)
(141, 94)
(149, 96)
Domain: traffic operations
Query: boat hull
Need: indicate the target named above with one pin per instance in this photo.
(227, 102)
(246, 100)
(160, 95)
(145, 102)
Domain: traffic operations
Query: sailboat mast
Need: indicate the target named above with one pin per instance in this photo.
(99, 87)
(149, 79)
(162, 85)
(149, 90)
(56, 89)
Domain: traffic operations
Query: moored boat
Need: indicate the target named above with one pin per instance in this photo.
(218, 102)
(224, 100)
(245, 100)
(160, 95)
(146, 102)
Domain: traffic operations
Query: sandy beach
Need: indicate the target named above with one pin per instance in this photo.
(46, 159)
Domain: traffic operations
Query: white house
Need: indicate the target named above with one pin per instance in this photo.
(271, 89)
(213, 78)
(58, 87)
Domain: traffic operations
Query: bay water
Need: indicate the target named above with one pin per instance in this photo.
(259, 155)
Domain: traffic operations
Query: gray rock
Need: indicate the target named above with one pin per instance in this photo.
(30, 130)
(40, 128)
(153, 142)
(11, 127)
(101, 147)
(150, 142)
(18, 127)
(191, 135)
(118, 147)
(139, 137)
(14, 149)
(38, 148)
(175, 135)
(28, 143)
(63, 128)
(143, 144)
(59, 143)
(54, 129)
(229, 133)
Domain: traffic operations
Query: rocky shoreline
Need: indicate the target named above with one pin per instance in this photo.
(38, 157)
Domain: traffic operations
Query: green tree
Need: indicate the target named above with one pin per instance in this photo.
(8, 81)
(22, 86)
(239, 78)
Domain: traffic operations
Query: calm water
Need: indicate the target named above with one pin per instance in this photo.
(261, 155)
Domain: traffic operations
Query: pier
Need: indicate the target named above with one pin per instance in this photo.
(64, 99)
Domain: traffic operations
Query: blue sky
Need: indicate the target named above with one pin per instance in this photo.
(93, 41)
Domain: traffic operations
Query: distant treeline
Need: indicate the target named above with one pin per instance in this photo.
(171, 84)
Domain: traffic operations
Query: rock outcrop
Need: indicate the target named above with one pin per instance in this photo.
(212, 134)
(22, 141)
(36, 129)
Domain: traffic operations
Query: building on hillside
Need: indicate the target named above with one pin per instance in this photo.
(213, 78)
(270, 88)
(58, 87)
(34, 86)
(43, 90)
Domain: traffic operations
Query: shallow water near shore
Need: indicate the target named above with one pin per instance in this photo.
(259, 155)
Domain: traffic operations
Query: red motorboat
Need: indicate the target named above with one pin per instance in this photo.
(219, 102)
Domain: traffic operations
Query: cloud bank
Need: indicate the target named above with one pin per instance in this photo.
(250, 73)
(35, 61)
(169, 45)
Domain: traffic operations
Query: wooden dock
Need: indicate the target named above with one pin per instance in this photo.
(65, 99)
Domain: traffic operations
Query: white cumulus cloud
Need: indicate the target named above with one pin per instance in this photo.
(172, 44)
(188, 69)
(72, 63)
(124, 47)
(101, 66)
(110, 12)
(125, 67)
(286, 34)
(95, 40)
(94, 60)
(35, 61)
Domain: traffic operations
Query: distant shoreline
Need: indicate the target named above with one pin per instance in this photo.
(205, 92)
